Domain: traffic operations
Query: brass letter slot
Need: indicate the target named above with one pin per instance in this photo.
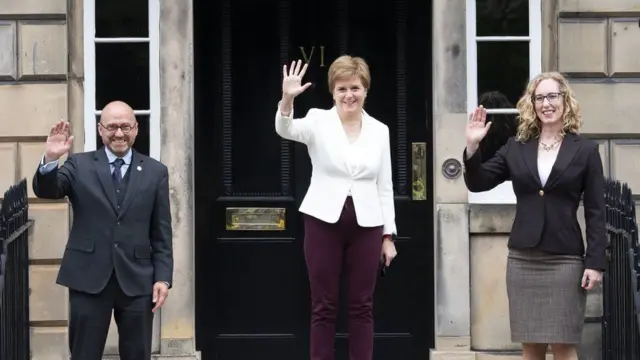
(255, 219)
(419, 171)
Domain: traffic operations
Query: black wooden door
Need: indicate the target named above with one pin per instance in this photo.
(251, 281)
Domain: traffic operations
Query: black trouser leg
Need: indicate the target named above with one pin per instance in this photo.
(90, 316)
(135, 325)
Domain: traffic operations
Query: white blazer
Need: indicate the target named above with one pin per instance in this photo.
(340, 169)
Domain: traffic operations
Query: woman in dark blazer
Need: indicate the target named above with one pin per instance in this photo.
(551, 168)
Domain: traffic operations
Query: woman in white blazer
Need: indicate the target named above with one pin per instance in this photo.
(349, 214)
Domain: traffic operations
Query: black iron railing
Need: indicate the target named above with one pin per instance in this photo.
(621, 283)
(14, 274)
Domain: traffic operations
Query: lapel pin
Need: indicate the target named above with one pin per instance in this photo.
(139, 168)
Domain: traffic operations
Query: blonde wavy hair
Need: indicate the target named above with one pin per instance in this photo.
(529, 125)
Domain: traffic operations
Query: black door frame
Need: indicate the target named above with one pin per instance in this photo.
(202, 211)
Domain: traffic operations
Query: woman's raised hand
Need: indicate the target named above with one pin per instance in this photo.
(476, 127)
(292, 80)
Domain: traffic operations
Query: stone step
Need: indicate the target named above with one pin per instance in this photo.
(159, 357)
(471, 355)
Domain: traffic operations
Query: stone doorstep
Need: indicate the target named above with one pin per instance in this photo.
(472, 355)
(159, 357)
(503, 356)
(451, 355)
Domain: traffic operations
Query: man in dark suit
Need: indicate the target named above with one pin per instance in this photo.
(119, 253)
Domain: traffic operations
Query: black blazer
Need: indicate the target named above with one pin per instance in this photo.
(135, 240)
(546, 216)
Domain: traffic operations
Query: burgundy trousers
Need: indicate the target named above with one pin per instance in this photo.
(330, 249)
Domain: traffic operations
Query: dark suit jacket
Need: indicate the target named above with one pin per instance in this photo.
(135, 240)
(546, 216)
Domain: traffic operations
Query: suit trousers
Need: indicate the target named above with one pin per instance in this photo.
(329, 249)
(90, 317)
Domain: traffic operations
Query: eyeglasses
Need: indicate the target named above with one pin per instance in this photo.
(126, 128)
(539, 99)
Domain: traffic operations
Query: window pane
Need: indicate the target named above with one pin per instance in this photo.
(122, 73)
(503, 67)
(122, 18)
(503, 126)
(502, 17)
(142, 139)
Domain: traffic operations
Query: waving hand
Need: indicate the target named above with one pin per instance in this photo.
(292, 80)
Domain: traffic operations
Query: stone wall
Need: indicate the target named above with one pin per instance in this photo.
(452, 299)
(41, 82)
(596, 44)
(34, 93)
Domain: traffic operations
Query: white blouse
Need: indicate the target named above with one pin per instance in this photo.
(546, 159)
(351, 160)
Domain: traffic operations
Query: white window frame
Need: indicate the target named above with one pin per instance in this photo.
(503, 193)
(90, 41)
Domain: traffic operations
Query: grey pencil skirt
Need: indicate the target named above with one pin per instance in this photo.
(546, 301)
